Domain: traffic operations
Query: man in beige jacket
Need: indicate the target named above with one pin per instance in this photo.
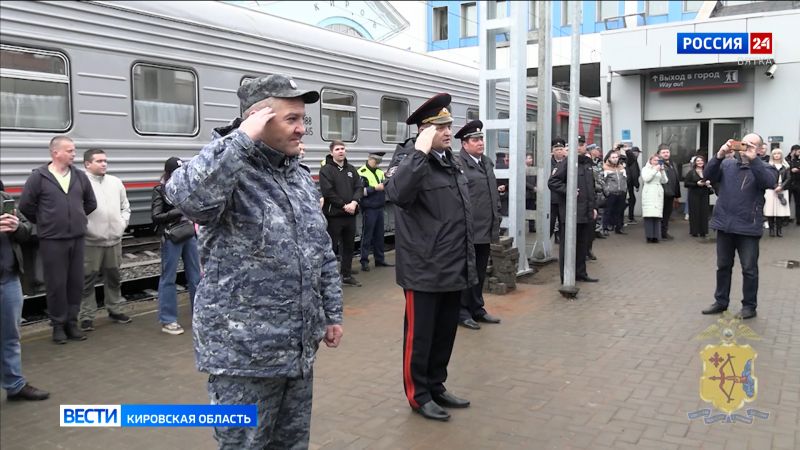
(103, 253)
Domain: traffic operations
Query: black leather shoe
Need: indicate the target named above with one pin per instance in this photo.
(384, 264)
(73, 332)
(29, 392)
(364, 268)
(448, 400)
(469, 323)
(59, 337)
(746, 313)
(431, 410)
(488, 318)
(587, 279)
(591, 257)
(715, 308)
(667, 237)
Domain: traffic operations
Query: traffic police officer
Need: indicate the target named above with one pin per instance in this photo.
(485, 201)
(435, 255)
(372, 204)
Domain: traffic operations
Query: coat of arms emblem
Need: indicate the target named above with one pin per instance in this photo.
(729, 380)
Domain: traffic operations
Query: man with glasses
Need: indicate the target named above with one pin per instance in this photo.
(738, 217)
(485, 201)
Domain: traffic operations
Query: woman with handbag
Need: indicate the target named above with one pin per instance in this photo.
(776, 205)
(654, 176)
(178, 241)
(699, 190)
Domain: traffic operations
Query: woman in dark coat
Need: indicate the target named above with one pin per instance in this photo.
(699, 193)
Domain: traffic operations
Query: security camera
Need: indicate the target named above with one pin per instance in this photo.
(771, 71)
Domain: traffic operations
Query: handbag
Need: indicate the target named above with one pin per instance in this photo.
(782, 199)
(180, 232)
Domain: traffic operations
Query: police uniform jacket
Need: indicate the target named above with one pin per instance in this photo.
(483, 196)
(586, 198)
(372, 199)
(433, 221)
(270, 285)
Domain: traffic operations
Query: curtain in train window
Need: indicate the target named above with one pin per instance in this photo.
(338, 115)
(34, 90)
(164, 100)
(393, 120)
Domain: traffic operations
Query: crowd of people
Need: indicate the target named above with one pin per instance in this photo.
(274, 227)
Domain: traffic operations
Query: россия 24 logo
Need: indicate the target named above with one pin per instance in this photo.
(725, 43)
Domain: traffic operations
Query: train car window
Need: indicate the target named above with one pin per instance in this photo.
(502, 136)
(338, 115)
(472, 114)
(34, 90)
(164, 100)
(393, 120)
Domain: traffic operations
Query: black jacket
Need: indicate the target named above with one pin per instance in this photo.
(433, 221)
(483, 196)
(23, 234)
(794, 163)
(162, 212)
(633, 169)
(58, 215)
(339, 186)
(673, 186)
(558, 186)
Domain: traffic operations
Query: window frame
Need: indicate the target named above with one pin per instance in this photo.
(471, 109)
(565, 16)
(380, 118)
(322, 108)
(437, 36)
(687, 10)
(599, 8)
(465, 19)
(196, 98)
(647, 8)
(51, 78)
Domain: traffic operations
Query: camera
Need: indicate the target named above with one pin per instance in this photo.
(661, 162)
(771, 70)
(738, 146)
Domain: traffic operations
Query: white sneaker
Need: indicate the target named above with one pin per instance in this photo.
(172, 328)
(686, 217)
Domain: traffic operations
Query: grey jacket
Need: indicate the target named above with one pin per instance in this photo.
(270, 285)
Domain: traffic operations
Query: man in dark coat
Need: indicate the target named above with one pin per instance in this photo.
(342, 189)
(634, 172)
(485, 201)
(586, 213)
(58, 198)
(559, 153)
(672, 189)
(435, 256)
(738, 218)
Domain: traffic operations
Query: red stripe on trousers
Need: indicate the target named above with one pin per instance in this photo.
(409, 382)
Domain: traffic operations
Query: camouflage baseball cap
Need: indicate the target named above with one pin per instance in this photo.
(277, 85)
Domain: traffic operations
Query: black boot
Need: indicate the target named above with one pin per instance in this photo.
(771, 223)
(74, 332)
(59, 337)
(779, 227)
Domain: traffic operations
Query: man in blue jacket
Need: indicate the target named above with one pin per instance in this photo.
(738, 218)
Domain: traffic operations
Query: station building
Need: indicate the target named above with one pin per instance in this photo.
(652, 94)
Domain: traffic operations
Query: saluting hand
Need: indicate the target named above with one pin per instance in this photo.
(425, 140)
(333, 334)
(254, 124)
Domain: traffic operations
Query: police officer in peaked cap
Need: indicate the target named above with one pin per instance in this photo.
(435, 254)
(485, 201)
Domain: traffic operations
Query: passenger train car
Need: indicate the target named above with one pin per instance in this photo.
(148, 80)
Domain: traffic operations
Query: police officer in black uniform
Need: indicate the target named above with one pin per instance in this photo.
(435, 256)
(485, 201)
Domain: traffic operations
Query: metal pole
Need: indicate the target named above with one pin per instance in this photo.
(543, 247)
(572, 157)
(518, 67)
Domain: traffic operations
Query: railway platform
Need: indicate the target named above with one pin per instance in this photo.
(616, 368)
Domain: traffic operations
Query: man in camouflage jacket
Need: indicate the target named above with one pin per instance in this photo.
(271, 290)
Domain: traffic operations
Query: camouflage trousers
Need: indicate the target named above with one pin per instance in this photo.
(284, 411)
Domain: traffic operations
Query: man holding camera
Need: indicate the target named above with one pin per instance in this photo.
(738, 218)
